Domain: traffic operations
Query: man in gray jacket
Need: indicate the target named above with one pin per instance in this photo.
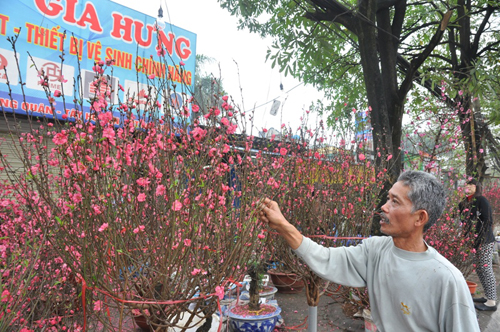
(411, 286)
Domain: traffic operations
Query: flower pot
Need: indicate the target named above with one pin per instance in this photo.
(142, 323)
(287, 283)
(472, 287)
(267, 293)
(265, 279)
(241, 320)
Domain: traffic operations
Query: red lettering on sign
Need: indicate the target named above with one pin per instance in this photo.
(3, 24)
(149, 66)
(53, 72)
(3, 62)
(30, 30)
(76, 46)
(69, 16)
(7, 103)
(89, 16)
(122, 59)
(52, 10)
(118, 27)
(138, 34)
(122, 30)
(39, 35)
(182, 44)
(183, 48)
(73, 113)
(168, 42)
(38, 108)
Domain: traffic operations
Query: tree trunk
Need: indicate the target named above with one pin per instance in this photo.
(312, 290)
(382, 93)
(472, 134)
(253, 272)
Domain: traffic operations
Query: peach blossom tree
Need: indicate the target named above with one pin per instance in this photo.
(154, 213)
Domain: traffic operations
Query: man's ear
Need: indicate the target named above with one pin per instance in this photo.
(423, 218)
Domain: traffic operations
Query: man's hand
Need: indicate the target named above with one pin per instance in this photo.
(270, 214)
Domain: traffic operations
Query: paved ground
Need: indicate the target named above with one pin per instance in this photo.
(331, 318)
(488, 321)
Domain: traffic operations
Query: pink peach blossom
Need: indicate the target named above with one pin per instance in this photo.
(177, 206)
(103, 227)
(60, 138)
(198, 133)
(219, 291)
(141, 197)
(160, 190)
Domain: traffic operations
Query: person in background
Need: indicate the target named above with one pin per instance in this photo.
(411, 286)
(478, 222)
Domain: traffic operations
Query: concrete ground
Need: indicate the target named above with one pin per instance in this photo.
(488, 321)
(331, 318)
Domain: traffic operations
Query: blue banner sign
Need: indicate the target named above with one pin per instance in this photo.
(67, 40)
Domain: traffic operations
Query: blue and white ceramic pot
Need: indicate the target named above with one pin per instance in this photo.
(258, 323)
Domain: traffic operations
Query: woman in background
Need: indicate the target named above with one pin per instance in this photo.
(476, 213)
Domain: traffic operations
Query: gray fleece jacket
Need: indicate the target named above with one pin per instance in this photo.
(409, 291)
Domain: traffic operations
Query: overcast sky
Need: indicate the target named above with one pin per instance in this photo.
(219, 38)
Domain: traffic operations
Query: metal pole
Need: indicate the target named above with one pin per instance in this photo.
(312, 326)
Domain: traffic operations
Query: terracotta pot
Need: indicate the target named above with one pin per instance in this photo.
(287, 283)
(472, 287)
(141, 321)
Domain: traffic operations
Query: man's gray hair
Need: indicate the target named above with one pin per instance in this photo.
(426, 193)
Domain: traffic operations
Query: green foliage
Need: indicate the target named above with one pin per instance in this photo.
(322, 54)
(467, 59)
(317, 42)
(206, 86)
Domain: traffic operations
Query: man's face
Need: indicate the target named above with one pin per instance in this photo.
(396, 218)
